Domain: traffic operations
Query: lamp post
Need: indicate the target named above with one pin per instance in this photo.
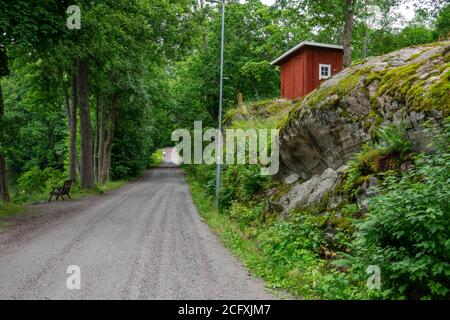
(219, 141)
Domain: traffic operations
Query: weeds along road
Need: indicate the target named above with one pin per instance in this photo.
(143, 241)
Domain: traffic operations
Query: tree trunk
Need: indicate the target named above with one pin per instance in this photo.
(4, 192)
(348, 29)
(101, 136)
(108, 143)
(87, 173)
(71, 123)
(66, 104)
(73, 129)
(96, 140)
(109, 167)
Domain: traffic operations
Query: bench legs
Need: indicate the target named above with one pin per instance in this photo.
(58, 196)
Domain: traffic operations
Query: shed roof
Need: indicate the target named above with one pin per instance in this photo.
(302, 44)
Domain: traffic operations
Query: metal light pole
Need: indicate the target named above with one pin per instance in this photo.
(219, 142)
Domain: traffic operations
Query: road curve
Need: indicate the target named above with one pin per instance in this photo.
(143, 241)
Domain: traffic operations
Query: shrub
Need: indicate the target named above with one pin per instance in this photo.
(393, 140)
(361, 165)
(393, 149)
(292, 242)
(246, 216)
(36, 181)
(407, 229)
(156, 158)
(31, 181)
(53, 178)
(239, 183)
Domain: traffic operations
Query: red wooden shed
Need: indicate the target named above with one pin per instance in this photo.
(306, 65)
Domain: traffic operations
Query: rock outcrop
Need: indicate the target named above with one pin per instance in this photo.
(330, 125)
(309, 192)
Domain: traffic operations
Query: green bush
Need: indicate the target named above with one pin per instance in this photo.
(393, 140)
(407, 229)
(246, 216)
(238, 183)
(31, 181)
(292, 242)
(156, 158)
(361, 165)
(35, 180)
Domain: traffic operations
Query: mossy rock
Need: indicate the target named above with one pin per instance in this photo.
(328, 126)
(417, 78)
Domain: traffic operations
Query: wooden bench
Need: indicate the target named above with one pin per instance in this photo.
(61, 191)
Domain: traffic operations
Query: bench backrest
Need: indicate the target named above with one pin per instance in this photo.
(66, 187)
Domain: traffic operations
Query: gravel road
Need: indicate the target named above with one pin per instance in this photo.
(143, 241)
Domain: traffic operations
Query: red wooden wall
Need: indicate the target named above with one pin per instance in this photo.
(300, 71)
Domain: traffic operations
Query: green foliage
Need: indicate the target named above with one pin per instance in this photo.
(127, 46)
(246, 216)
(160, 58)
(36, 180)
(242, 182)
(407, 229)
(239, 182)
(286, 252)
(393, 149)
(393, 140)
(157, 158)
(4, 70)
(290, 242)
(8, 209)
(32, 22)
(442, 24)
(132, 145)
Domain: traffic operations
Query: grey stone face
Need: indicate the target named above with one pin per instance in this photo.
(309, 192)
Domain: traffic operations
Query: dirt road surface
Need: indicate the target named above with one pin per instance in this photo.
(143, 241)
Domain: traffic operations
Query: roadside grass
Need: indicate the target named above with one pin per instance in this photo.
(241, 242)
(7, 210)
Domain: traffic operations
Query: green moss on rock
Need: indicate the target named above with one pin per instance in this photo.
(419, 85)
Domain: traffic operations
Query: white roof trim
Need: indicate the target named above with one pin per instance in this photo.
(305, 43)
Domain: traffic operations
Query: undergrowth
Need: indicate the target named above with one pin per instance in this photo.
(392, 150)
(404, 233)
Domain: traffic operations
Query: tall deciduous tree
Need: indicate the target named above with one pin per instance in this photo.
(348, 30)
(86, 165)
(4, 191)
(28, 24)
(73, 125)
(4, 71)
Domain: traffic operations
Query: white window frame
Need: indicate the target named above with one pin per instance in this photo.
(328, 66)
